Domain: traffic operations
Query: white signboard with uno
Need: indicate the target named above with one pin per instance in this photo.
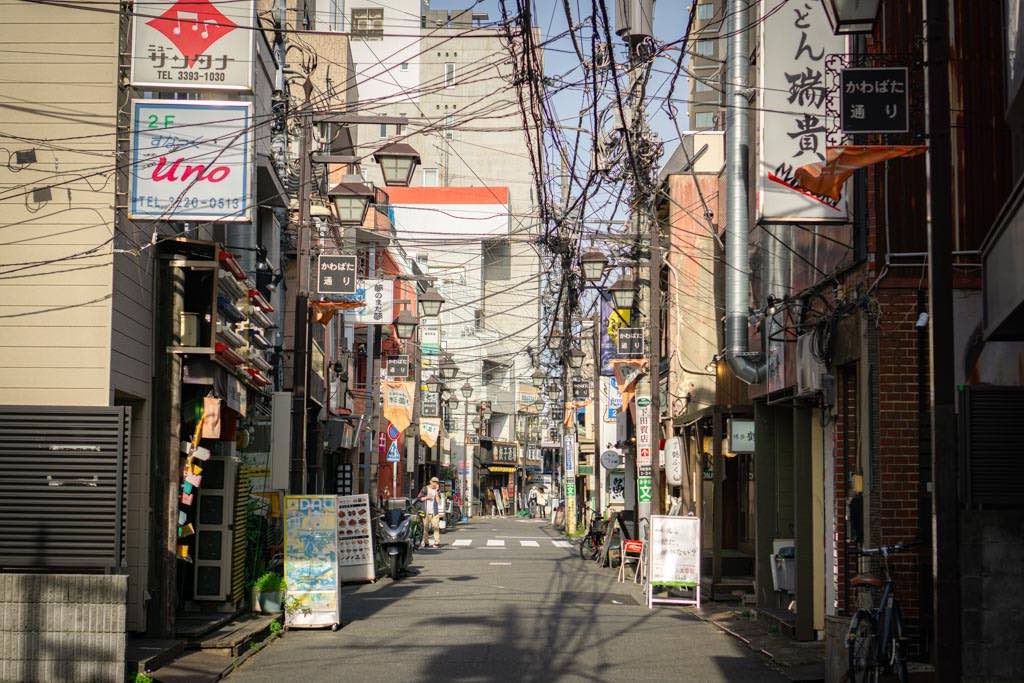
(191, 161)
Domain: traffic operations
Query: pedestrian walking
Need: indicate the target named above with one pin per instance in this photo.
(542, 502)
(430, 502)
(533, 503)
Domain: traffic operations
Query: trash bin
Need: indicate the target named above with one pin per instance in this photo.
(784, 568)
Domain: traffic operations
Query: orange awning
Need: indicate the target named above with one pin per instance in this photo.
(323, 311)
(827, 179)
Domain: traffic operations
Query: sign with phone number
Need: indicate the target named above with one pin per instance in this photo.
(191, 161)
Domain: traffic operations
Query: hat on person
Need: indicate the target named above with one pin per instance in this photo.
(433, 479)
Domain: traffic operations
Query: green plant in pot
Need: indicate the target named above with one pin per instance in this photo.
(268, 593)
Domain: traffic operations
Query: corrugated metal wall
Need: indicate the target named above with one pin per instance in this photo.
(63, 486)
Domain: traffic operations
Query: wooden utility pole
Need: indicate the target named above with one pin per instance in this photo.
(945, 534)
(297, 479)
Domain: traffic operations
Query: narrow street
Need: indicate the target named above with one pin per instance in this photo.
(506, 599)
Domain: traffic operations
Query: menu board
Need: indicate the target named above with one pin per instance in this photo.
(355, 543)
(674, 560)
(311, 561)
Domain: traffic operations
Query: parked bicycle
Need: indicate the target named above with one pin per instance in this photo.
(590, 545)
(874, 641)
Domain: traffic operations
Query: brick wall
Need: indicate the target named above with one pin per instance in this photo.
(62, 627)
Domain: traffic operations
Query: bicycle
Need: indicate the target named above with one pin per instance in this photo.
(874, 639)
(416, 528)
(590, 545)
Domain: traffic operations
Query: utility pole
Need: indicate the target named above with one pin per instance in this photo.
(298, 479)
(598, 421)
(945, 541)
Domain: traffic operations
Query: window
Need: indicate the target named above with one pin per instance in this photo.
(493, 372)
(368, 23)
(478, 318)
(430, 177)
(704, 120)
(448, 132)
(398, 126)
(701, 85)
(705, 11)
(449, 74)
(705, 48)
(383, 132)
(405, 66)
(497, 260)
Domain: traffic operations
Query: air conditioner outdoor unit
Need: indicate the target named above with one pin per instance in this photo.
(808, 368)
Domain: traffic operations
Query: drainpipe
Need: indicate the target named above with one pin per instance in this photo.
(737, 259)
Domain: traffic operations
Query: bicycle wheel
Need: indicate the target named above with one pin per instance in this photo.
(587, 548)
(860, 644)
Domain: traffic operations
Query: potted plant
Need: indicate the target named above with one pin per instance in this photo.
(268, 593)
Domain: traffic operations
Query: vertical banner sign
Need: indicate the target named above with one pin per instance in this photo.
(644, 441)
(378, 299)
(193, 44)
(191, 161)
(430, 340)
(569, 448)
(874, 100)
(311, 560)
(796, 39)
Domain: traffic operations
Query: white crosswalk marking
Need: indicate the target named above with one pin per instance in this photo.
(529, 544)
(462, 543)
(562, 544)
(492, 543)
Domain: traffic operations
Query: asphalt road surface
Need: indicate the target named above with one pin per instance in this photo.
(505, 600)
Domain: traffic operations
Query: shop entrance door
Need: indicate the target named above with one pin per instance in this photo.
(213, 529)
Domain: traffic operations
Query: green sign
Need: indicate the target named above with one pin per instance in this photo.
(570, 488)
(586, 469)
(644, 489)
(643, 401)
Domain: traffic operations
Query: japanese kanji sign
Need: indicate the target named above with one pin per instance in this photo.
(643, 431)
(191, 161)
(741, 436)
(631, 341)
(336, 274)
(796, 39)
(193, 45)
(398, 367)
(378, 297)
(875, 100)
(580, 389)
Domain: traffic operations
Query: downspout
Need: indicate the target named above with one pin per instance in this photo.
(737, 259)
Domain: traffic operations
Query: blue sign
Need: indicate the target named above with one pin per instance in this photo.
(393, 432)
(393, 455)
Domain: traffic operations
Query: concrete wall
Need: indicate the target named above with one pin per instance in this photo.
(66, 627)
(992, 576)
(56, 316)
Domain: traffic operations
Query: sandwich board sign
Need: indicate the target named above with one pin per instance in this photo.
(674, 559)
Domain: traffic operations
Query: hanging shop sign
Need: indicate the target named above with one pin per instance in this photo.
(874, 100)
(616, 487)
(398, 402)
(674, 560)
(580, 389)
(355, 544)
(674, 461)
(611, 460)
(378, 299)
(311, 561)
(796, 41)
(430, 340)
(630, 341)
(336, 274)
(741, 436)
(191, 161)
(430, 429)
(505, 452)
(397, 367)
(193, 45)
(430, 403)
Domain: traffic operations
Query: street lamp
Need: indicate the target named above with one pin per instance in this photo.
(449, 370)
(405, 324)
(622, 293)
(575, 358)
(538, 375)
(433, 383)
(553, 393)
(453, 402)
(352, 200)
(593, 262)
(555, 339)
(466, 390)
(852, 16)
(430, 303)
(398, 162)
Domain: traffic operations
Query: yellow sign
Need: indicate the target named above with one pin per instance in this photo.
(501, 469)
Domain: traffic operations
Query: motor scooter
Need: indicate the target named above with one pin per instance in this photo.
(395, 537)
